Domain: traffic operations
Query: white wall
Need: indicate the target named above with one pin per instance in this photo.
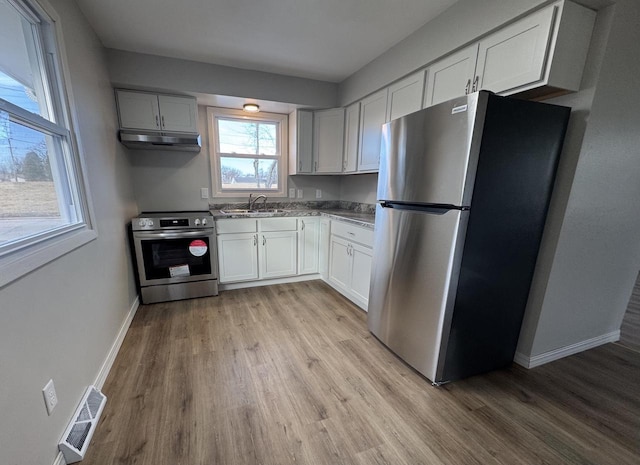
(60, 320)
(590, 252)
(165, 181)
(137, 70)
(359, 188)
(598, 249)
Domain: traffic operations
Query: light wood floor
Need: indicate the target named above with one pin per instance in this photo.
(289, 374)
(630, 330)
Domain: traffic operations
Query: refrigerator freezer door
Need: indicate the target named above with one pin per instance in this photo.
(416, 264)
(430, 156)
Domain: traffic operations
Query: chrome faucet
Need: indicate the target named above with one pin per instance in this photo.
(252, 202)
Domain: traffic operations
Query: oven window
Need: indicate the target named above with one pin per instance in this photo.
(173, 258)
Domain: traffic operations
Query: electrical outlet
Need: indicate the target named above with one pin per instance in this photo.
(50, 396)
(300, 193)
(318, 193)
(292, 193)
(204, 192)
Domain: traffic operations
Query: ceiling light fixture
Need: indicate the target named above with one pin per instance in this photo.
(251, 107)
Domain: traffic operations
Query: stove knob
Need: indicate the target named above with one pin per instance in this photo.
(204, 221)
(142, 222)
(150, 223)
(197, 222)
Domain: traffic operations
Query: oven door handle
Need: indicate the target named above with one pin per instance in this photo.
(175, 235)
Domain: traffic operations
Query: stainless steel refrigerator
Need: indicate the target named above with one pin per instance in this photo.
(463, 193)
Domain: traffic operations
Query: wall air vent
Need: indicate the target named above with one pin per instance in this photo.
(77, 436)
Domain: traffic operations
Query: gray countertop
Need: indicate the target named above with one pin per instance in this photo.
(366, 220)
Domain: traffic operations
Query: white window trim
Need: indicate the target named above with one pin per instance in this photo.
(29, 256)
(282, 119)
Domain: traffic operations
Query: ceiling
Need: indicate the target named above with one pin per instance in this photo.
(318, 39)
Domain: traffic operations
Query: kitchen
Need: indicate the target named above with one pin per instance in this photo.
(61, 309)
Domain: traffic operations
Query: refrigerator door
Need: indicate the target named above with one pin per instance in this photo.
(414, 280)
(430, 156)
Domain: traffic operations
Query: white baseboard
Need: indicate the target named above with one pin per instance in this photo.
(269, 282)
(115, 347)
(59, 459)
(556, 354)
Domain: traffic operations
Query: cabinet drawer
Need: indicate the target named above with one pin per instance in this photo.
(240, 225)
(353, 233)
(278, 224)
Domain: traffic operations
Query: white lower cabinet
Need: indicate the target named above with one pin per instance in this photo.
(268, 248)
(362, 258)
(350, 262)
(277, 254)
(238, 257)
(323, 256)
(308, 245)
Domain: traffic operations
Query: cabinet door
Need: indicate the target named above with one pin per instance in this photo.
(278, 254)
(328, 131)
(451, 77)
(373, 113)
(351, 139)
(179, 114)
(517, 54)
(138, 110)
(361, 272)
(308, 245)
(323, 258)
(406, 96)
(238, 257)
(340, 263)
(300, 142)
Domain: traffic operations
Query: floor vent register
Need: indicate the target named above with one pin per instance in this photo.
(76, 438)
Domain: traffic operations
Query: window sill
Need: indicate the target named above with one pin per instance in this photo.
(24, 261)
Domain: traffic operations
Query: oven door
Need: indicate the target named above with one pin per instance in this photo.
(175, 257)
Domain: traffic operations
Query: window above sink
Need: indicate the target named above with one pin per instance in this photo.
(248, 152)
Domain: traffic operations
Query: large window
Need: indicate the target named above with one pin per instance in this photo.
(248, 152)
(41, 196)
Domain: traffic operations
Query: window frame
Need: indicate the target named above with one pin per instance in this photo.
(213, 113)
(23, 256)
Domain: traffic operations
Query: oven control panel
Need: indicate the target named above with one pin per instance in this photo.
(170, 220)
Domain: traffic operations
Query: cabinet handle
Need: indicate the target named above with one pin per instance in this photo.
(157, 122)
(475, 83)
(162, 121)
(303, 225)
(467, 87)
(255, 239)
(264, 240)
(315, 166)
(300, 166)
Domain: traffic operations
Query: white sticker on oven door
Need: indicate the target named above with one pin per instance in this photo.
(179, 270)
(198, 248)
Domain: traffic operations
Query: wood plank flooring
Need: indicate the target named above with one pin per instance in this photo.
(289, 374)
(630, 329)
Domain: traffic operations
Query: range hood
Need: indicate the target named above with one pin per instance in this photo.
(161, 141)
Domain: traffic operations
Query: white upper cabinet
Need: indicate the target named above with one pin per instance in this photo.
(178, 114)
(539, 54)
(153, 112)
(351, 137)
(373, 112)
(516, 54)
(138, 110)
(301, 142)
(328, 132)
(406, 96)
(451, 77)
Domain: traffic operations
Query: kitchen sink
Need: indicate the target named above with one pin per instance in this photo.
(240, 211)
(237, 212)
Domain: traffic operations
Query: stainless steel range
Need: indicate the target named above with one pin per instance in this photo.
(176, 255)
